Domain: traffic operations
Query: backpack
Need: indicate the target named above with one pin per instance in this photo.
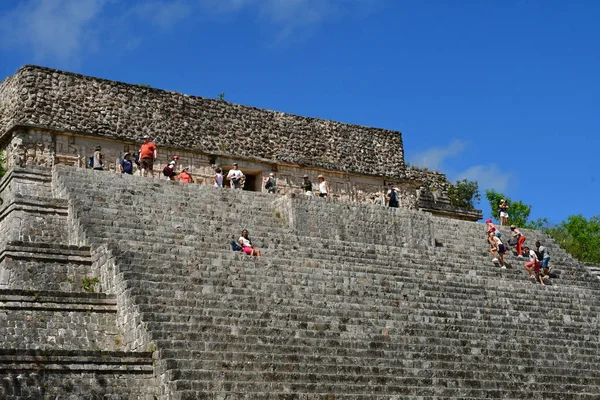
(270, 183)
(393, 196)
(90, 162)
(167, 171)
(539, 255)
(136, 158)
(235, 246)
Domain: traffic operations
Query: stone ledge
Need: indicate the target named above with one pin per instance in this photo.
(76, 361)
(51, 302)
(56, 296)
(47, 252)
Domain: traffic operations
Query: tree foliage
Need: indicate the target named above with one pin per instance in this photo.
(464, 194)
(579, 237)
(2, 165)
(518, 212)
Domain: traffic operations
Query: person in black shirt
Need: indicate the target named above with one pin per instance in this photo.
(392, 196)
(306, 185)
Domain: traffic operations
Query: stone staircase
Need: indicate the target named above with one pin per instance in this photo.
(348, 301)
(59, 338)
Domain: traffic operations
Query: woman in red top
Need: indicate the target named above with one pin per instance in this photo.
(185, 176)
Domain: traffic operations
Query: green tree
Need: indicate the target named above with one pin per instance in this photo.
(518, 212)
(579, 237)
(222, 96)
(464, 194)
(2, 165)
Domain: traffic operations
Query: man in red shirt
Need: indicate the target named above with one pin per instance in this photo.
(147, 156)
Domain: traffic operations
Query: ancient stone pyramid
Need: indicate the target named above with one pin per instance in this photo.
(348, 301)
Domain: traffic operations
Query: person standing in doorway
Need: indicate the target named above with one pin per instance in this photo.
(271, 183)
(235, 177)
(392, 195)
(148, 154)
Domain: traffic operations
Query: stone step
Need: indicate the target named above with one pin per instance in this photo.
(436, 388)
(400, 345)
(58, 320)
(76, 374)
(303, 272)
(47, 252)
(314, 363)
(57, 301)
(76, 361)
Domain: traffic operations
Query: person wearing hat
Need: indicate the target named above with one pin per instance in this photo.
(126, 164)
(533, 266)
(492, 228)
(503, 210)
(324, 190)
(517, 239)
(392, 195)
(148, 154)
(306, 186)
(235, 177)
(170, 170)
(185, 176)
(98, 156)
(270, 183)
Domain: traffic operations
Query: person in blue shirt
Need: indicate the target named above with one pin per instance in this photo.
(126, 164)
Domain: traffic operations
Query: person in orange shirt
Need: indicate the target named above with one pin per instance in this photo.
(185, 176)
(147, 157)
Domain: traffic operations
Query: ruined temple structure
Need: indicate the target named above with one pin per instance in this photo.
(50, 117)
(124, 287)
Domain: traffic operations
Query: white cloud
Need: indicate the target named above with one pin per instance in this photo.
(66, 30)
(434, 158)
(51, 28)
(165, 14)
(487, 177)
(289, 16)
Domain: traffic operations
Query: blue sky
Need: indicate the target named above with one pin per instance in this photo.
(503, 92)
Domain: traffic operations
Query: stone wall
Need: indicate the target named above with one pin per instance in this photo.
(65, 101)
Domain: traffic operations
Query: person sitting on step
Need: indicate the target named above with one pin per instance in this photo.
(246, 244)
(497, 247)
(534, 264)
(517, 239)
(185, 176)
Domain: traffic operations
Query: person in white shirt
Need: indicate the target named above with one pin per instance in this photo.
(218, 178)
(236, 177)
(173, 167)
(496, 246)
(324, 190)
(534, 264)
(246, 244)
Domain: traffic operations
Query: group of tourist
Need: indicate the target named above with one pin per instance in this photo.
(538, 260)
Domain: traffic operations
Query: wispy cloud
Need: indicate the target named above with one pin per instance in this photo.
(51, 28)
(166, 13)
(290, 16)
(65, 31)
(487, 177)
(434, 158)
